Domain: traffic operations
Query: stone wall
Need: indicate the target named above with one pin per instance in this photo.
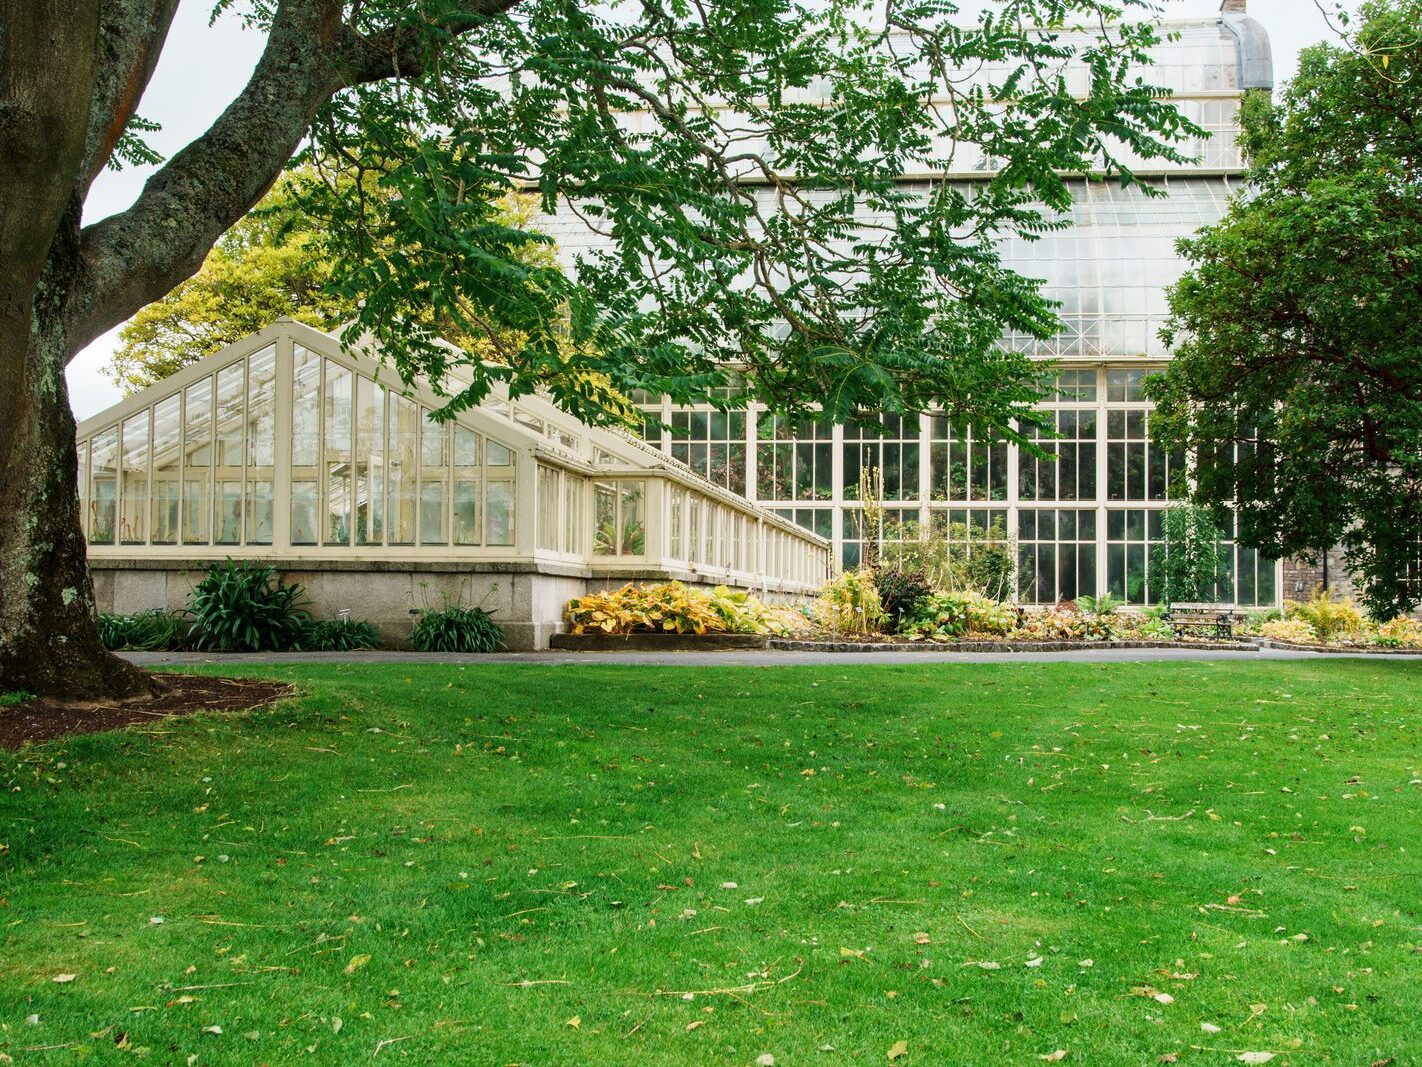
(526, 601)
(1301, 579)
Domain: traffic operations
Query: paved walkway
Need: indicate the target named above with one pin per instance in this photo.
(747, 659)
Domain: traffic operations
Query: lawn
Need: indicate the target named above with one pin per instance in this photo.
(930, 864)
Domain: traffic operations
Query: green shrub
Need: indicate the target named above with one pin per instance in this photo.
(453, 629)
(144, 631)
(1400, 632)
(850, 603)
(938, 617)
(954, 556)
(13, 698)
(245, 607)
(987, 617)
(336, 635)
(900, 593)
(1329, 618)
(1105, 604)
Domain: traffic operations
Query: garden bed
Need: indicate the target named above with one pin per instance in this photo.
(1351, 650)
(182, 694)
(650, 642)
(833, 645)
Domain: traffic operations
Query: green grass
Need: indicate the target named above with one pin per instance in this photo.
(525, 864)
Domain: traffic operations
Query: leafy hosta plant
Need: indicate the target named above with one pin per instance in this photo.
(245, 607)
(676, 609)
(988, 617)
(1052, 626)
(938, 617)
(1401, 632)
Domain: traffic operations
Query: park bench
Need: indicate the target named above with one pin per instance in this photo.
(1202, 619)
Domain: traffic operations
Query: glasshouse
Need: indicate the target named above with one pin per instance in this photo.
(285, 448)
(1087, 520)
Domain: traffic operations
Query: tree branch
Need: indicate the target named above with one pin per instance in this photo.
(135, 257)
(131, 36)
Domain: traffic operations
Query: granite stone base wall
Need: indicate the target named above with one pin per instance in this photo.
(528, 603)
(1301, 579)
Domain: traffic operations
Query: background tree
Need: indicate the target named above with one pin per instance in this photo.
(446, 104)
(1190, 557)
(1297, 377)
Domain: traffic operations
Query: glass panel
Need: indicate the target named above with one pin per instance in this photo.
(467, 485)
(84, 488)
(227, 476)
(132, 527)
(197, 462)
(434, 483)
(572, 512)
(336, 413)
(103, 494)
(305, 446)
(305, 408)
(259, 511)
(499, 456)
(548, 497)
(167, 468)
(305, 512)
(604, 519)
(404, 444)
(499, 514)
(631, 521)
(261, 446)
(370, 462)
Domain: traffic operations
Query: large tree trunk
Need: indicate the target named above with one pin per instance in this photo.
(49, 644)
(48, 641)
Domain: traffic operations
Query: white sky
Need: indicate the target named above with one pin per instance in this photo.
(204, 67)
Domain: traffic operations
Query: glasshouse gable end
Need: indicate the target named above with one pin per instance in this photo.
(287, 449)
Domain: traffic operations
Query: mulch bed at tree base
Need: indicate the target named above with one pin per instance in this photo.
(183, 694)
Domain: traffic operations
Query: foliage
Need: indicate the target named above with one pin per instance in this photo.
(1105, 604)
(955, 556)
(850, 603)
(270, 264)
(900, 593)
(245, 607)
(1148, 628)
(1401, 632)
(674, 608)
(144, 631)
(13, 698)
(1186, 563)
(1329, 618)
(1253, 620)
(1296, 381)
(988, 617)
(878, 319)
(339, 635)
(1051, 625)
(938, 617)
(456, 629)
(1292, 631)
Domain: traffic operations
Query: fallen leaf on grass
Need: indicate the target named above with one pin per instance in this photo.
(922, 938)
(575, 1022)
(1255, 1057)
(1054, 1057)
(357, 962)
(1209, 1028)
(897, 1049)
(64, 977)
(694, 1024)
